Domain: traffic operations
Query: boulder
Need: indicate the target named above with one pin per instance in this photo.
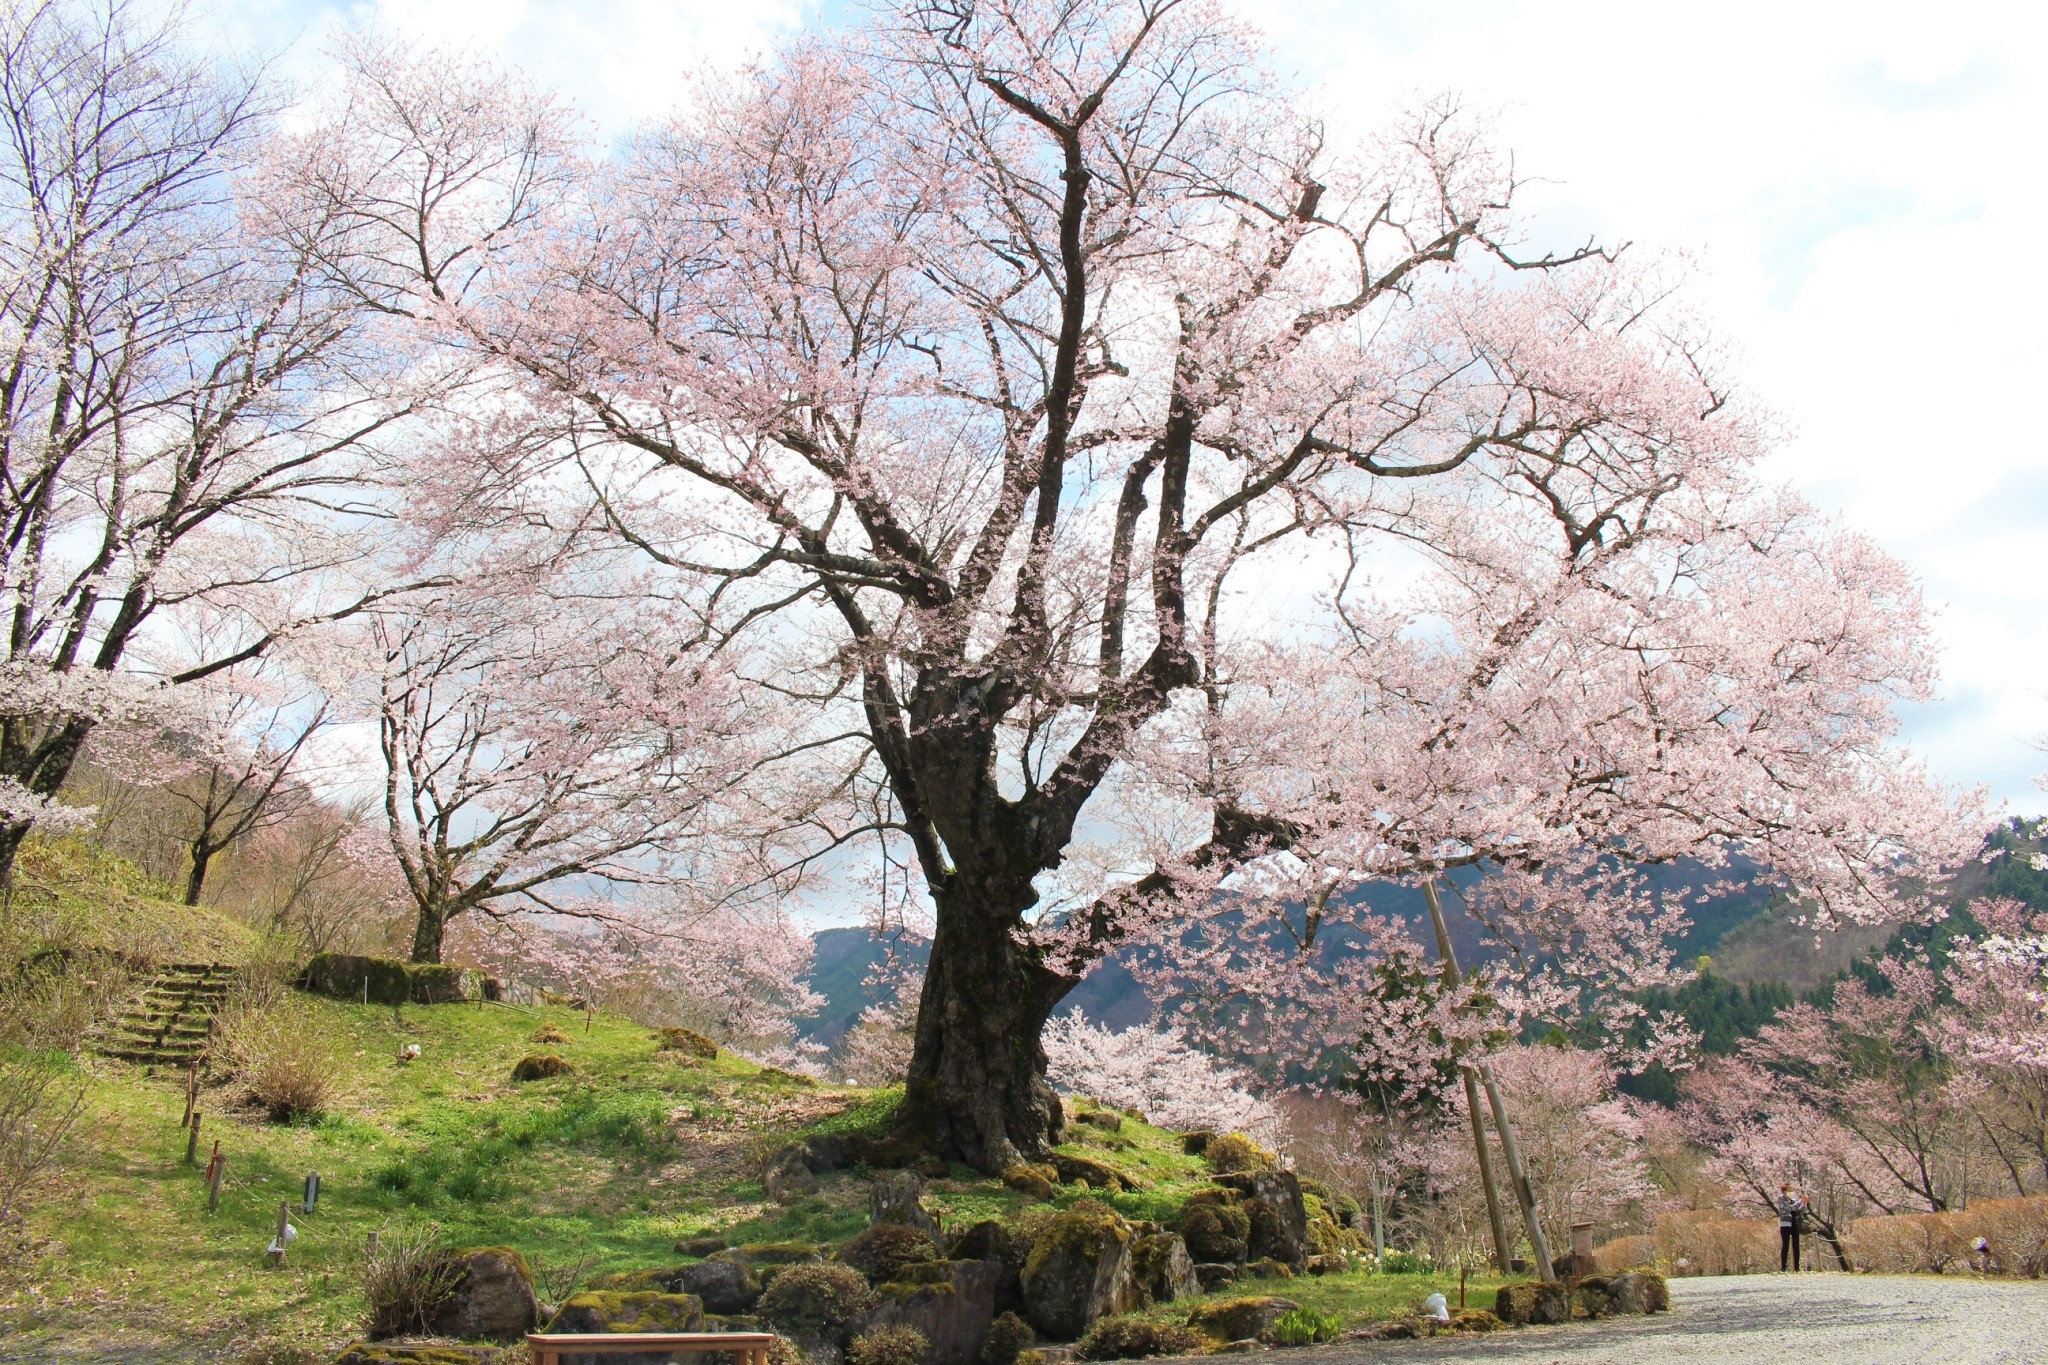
(1624, 1295)
(1279, 1220)
(1215, 1231)
(492, 1298)
(786, 1176)
(1533, 1301)
(1213, 1275)
(991, 1242)
(1163, 1269)
(827, 1152)
(897, 1197)
(1106, 1119)
(951, 1303)
(724, 1286)
(1079, 1269)
(384, 981)
(1328, 1265)
(1197, 1142)
(1241, 1319)
(1266, 1268)
(601, 1310)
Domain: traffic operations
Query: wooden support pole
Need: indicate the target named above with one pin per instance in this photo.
(192, 1139)
(1525, 1194)
(191, 1095)
(284, 1222)
(220, 1173)
(1503, 1245)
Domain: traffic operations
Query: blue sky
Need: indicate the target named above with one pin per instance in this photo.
(1858, 185)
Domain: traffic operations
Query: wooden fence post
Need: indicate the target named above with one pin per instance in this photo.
(312, 1190)
(220, 1172)
(284, 1221)
(191, 1095)
(192, 1140)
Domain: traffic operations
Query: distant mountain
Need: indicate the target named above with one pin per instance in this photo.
(1110, 995)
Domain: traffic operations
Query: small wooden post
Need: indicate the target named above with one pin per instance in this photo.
(284, 1220)
(312, 1190)
(192, 1139)
(589, 1013)
(220, 1172)
(372, 1248)
(191, 1095)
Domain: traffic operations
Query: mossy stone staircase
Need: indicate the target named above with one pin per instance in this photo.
(168, 1022)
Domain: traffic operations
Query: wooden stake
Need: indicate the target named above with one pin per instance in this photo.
(284, 1220)
(589, 1013)
(192, 1139)
(191, 1095)
(312, 1190)
(220, 1172)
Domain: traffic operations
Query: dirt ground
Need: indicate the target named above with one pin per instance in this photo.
(1768, 1320)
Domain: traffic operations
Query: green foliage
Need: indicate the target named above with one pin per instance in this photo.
(404, 1279)
(1007, 1336)
(1301, 1326)
(816, 1298)
(895, 1344)
(1136, 1338)
(1405, 1263)
(883, 1251)
(1234, 1152)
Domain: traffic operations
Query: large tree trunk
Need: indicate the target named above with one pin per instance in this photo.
(42, 763)
(427, 933)
(977, 1087)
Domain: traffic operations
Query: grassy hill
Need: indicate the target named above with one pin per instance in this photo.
(602, 1169)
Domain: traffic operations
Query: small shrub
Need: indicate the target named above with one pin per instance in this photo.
(547, 1034)
(1007, 1336)
(895, 1344)
(685, 1040)
(882, 1251)
(404, 1281)
(540, 1066)
(1625, 1253)
(272, 1045)
(1234, 1152)
(1135, 1338)
(1301, 1326)
(810, 1299)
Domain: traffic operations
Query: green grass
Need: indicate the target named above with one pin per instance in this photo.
(611, 1164)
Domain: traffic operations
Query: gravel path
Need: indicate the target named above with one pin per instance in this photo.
(1768, 1320)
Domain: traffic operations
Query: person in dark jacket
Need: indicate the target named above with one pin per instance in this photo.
(1791, 1222)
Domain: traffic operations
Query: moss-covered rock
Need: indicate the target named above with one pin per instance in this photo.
(951, 1304)
(700, 1246)
(1216, 1231)
(386, 981)
(1533, 1301)
(1197, 1142)
(540, 1066)
(1163, 1269)
(1248, 1318)
(490, 1297)
(1097, 1175)
(725, 1286)
(608, 1310)
(1106, 1119)
(687, 1041)
(1136, 1339)
(1078, 1270)
(1474, 1320)
(1040, 1182)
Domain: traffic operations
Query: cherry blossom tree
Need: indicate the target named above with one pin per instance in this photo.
(1998, 1033)
(247, 785)
(1155, 1071)
(181, 406)
(982, 356)
(539, 757)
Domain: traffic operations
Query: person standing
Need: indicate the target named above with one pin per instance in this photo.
(1791, 1217)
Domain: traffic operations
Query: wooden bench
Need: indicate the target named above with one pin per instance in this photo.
(549, 1348)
